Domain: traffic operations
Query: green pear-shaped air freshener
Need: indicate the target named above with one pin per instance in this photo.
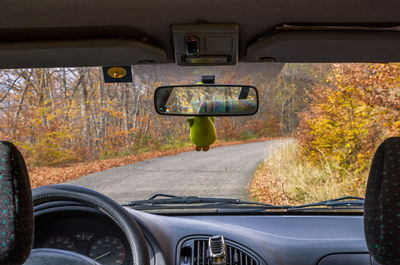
(202, 132)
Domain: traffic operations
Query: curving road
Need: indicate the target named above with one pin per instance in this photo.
(220, 172)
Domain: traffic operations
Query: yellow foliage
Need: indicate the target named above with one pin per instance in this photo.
(350, 115)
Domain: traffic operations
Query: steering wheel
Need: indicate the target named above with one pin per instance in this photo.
(112, 209)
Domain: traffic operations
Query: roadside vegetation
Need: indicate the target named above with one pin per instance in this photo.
(348, 114)
(288, 177)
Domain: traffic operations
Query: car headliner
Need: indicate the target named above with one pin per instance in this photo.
(150, 20)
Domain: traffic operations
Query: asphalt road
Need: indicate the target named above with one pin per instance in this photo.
(220, 172)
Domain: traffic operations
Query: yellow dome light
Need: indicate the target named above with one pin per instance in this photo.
(117, 72)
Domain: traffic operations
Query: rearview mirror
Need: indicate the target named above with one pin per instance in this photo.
(206, 100)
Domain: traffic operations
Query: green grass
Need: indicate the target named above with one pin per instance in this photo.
(248, 135)
(145, 148)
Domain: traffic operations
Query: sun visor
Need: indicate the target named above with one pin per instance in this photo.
(327, 46)
(76, 53)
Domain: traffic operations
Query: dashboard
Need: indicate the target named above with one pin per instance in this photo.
(182, 240)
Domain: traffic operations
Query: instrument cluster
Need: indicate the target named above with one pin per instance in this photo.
(97, 238)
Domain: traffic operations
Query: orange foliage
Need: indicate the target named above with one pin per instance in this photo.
(351, 114)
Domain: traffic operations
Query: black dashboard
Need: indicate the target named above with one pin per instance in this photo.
(251, 239)
(272, 239)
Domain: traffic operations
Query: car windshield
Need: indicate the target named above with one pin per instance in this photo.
(312, 139)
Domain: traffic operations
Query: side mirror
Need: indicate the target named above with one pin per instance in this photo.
(206, 100)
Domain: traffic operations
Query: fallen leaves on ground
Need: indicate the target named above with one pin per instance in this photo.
(267, 188)
(41, 176)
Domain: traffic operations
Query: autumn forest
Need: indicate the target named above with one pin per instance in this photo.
(338, 114)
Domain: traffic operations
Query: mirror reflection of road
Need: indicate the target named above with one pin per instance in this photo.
(221, 172)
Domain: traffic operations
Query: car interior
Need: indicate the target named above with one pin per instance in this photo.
(61, 33)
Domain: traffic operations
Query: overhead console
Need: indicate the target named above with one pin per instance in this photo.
(206, 44)
(290, 43)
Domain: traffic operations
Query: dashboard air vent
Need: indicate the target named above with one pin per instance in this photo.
(234, 255)
(216, 245)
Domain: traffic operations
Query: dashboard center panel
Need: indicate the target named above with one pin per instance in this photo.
(198, 250)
